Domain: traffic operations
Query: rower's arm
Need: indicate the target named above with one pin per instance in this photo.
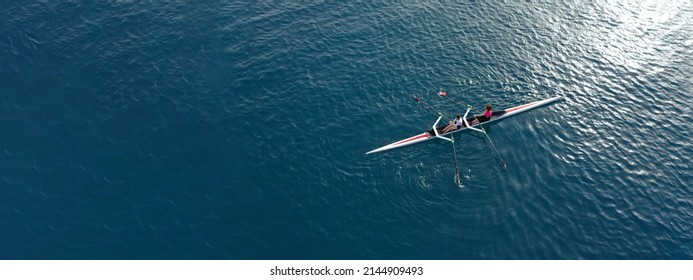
(467, 123)
(435, 130)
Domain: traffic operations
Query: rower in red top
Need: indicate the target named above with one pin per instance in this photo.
(486, 116)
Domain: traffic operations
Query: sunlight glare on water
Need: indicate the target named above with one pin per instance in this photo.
(238, 130)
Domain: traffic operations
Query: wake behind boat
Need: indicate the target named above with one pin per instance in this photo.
(434, 132)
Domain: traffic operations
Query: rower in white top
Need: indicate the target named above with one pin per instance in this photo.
(454, 124)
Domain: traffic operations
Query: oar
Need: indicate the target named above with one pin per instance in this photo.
(418, 100)
(444, 94)
(458, 179)
(502, 162)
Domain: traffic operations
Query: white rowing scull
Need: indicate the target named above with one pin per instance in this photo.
(434, 132)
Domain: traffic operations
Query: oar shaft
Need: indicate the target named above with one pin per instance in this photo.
(458, 180)
(460, 101)
(483, 130)
(502, 162)
(425, 105)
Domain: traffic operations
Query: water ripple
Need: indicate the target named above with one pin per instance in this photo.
(238, 130)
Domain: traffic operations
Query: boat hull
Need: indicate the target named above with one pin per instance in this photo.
(497, 116)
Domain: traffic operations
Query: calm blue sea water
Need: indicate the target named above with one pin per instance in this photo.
(232, 130)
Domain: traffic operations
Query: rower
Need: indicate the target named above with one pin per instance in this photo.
(486, 116)
(454, 124)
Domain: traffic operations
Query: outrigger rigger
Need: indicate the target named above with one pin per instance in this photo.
(436, 131)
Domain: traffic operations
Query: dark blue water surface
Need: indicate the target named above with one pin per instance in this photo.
(233, 130)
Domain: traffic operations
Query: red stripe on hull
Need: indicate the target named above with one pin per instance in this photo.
(423, 135)
(518, 107)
